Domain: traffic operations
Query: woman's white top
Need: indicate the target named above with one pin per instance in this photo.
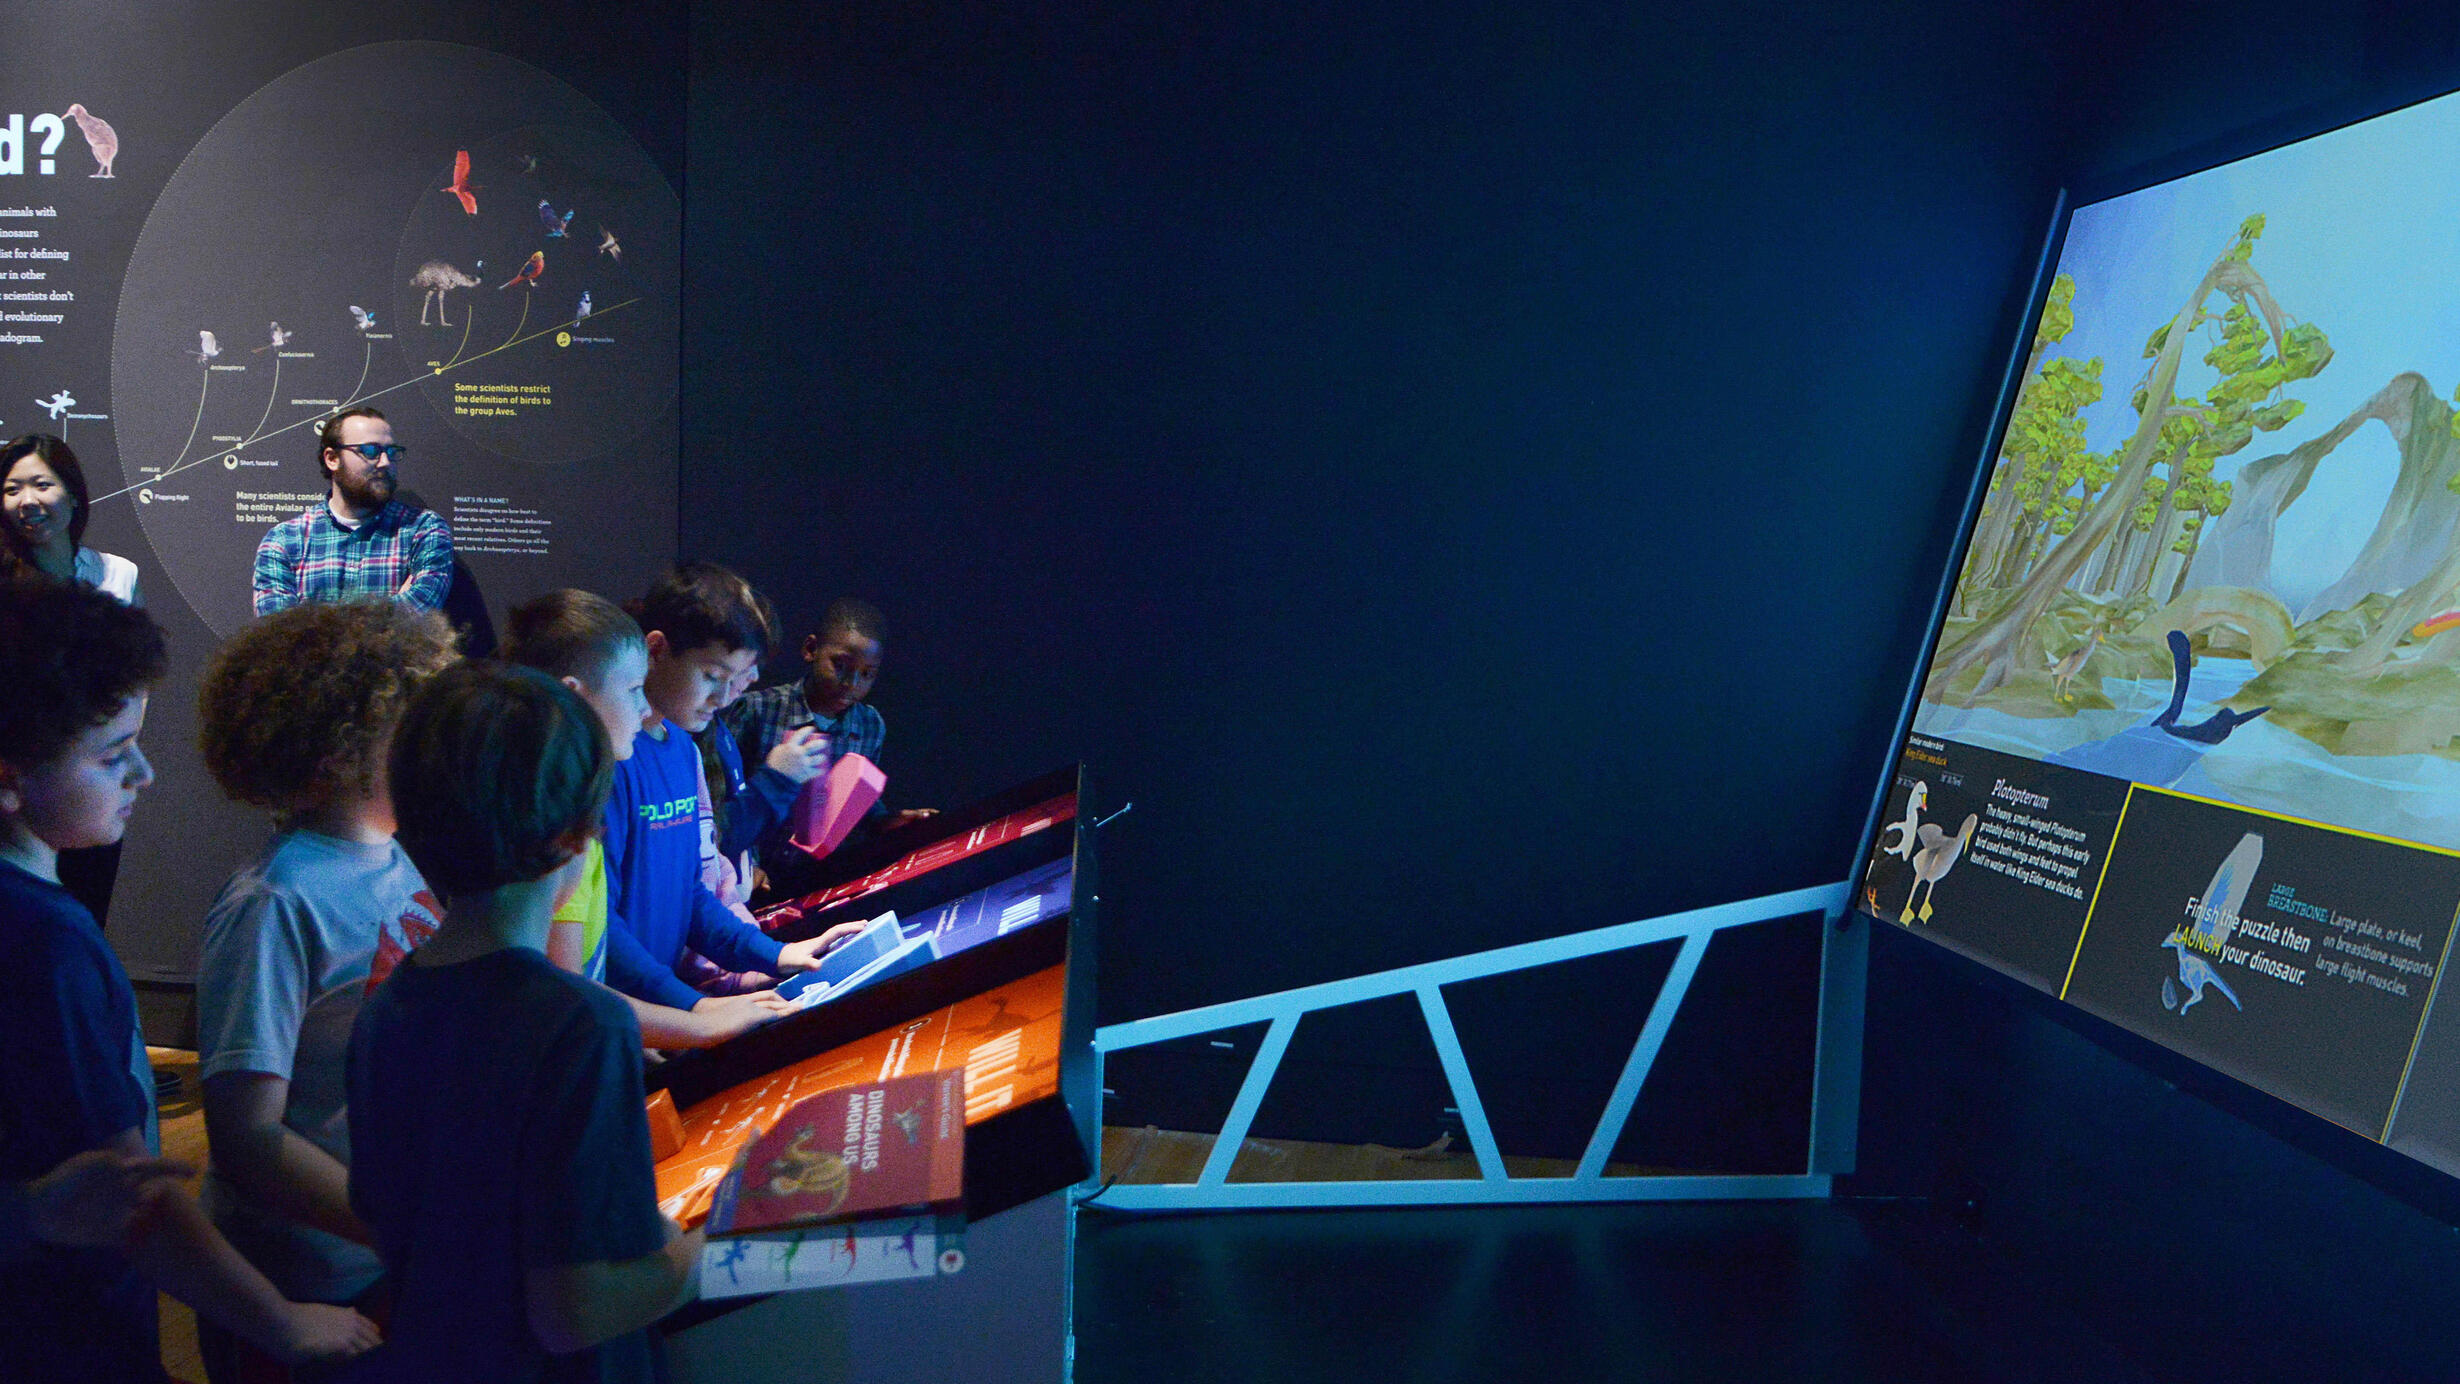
(109, 573)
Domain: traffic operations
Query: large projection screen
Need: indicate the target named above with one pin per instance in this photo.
(2186, 750)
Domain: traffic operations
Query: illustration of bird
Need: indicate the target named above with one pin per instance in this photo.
(1933, 861)
(2211, 731)
(438, 279)
(555, 224)
(1912, 823)
(99, 137)
(2215, 919)
(206, 347)
(527, 163)
(57, 404)
(461, 185)
(2064, 670)
(529, 272)
(609, 245)
(583, 310)
(281, 338)
(365, 319)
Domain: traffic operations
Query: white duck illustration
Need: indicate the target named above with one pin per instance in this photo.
(1912, 823)
(1932, 862)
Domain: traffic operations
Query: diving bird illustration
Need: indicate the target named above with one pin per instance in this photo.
(555, 224)
(609, 245)
(57, 404)
(281, 337)
(1933, 861)
(2211, 731)
(438, 279)
(2063, 671)
(529, 272)
(1912, 823)
(2215, 919)
(99, 137)
(461, 186)
(583, 310)
(365, 319)
(206, 347)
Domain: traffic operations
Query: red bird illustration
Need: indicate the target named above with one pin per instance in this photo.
(461, 182)
(529, 272)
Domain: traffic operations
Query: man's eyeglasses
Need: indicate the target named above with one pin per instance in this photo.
(388, 451)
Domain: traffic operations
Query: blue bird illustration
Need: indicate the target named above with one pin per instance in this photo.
(555, 224)
(2211, 731)
(2215, 919)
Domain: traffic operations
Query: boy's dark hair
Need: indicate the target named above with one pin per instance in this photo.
(69, 657)
(569, 634)
(498, 773)
(329, 433)
(55, 454)
(858, 617)
(701, 603)
(294, 710)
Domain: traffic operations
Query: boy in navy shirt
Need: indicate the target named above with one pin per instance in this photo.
(75, 666)
(704, 638)
(500, 1145)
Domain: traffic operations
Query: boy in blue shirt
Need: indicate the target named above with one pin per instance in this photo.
(500, 1145)
(704, 635)
(75, 666)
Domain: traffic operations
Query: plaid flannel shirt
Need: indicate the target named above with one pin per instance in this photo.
(762, 719)
(313, 557)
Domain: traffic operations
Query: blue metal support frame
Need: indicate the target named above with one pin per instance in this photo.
(1835, 1079)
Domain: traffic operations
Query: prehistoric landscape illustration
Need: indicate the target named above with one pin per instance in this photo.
(2140, 597)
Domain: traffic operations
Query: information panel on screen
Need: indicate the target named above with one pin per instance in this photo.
(2186, 753)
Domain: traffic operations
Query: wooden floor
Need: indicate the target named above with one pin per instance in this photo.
(183, 1138)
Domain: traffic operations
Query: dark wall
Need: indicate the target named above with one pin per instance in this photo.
(1466, 474)
(2208, 1231)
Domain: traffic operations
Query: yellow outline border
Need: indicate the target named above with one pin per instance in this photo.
(2109, 848)
(2418, 1039)
(2302, 821)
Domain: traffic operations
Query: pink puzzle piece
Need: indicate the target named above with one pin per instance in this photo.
(830, 805)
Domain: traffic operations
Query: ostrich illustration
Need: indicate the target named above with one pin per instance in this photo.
(1913, 821)
(1933, 861)
(438, 279)
(99, 137)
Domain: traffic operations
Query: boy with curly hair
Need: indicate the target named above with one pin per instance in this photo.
(297, 712)
(503, 1149)
(75, 667)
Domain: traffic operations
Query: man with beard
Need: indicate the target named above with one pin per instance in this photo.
(361, 541)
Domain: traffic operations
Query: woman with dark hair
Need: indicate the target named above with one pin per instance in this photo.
(42, 527)
(43, 501)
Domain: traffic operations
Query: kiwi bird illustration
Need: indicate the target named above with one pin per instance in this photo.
(99, 137)
(461, 185)
(529, 272)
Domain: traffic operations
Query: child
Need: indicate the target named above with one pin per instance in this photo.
(702, 637)
(75, 666)
(501, 1147)
(591, 646)
(844, 659)
(296, 711)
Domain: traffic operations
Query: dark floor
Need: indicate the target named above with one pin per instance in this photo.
(1806, 1291)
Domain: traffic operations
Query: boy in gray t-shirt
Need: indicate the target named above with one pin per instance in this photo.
(298, 711)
